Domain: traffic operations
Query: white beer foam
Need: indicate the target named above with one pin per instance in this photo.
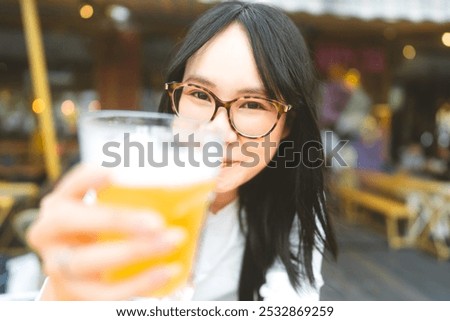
(181, 167)
(163, 176)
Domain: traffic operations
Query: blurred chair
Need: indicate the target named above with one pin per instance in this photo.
(22, 222)
(6, 204)
(14, 197)
(428, 199)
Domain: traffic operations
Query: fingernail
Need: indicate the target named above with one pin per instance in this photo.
(173, 269)
(147, 222)
(175, 236)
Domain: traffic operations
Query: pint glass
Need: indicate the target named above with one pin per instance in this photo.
(157, 163)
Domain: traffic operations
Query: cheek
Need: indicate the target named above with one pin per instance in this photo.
(254, 156)
(259, 153)
(269, 144)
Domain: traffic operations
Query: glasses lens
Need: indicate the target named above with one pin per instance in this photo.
(193, 102)
(254, 117)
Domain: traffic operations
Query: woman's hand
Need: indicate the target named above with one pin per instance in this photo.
(66, 233)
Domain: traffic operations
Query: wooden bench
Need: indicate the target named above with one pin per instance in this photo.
(6, 204)
(393, 211)
(19, 189)
(431, 200)
(14, 196)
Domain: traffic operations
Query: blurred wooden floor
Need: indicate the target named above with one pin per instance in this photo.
(368, 270)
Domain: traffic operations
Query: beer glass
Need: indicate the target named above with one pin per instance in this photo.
(156, 162)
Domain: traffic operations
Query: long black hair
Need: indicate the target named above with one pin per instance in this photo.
(288, 195)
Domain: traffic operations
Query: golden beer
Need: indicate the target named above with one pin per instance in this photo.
(133, 145)
(182, 206)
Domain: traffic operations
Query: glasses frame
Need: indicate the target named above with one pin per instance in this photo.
(282, 108)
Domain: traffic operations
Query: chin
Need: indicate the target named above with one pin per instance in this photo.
(222, 188)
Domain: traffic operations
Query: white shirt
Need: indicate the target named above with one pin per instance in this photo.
(219, 259)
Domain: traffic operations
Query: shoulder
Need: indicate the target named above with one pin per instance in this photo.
(278, 287)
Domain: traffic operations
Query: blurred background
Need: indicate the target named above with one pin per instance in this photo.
(384, 68)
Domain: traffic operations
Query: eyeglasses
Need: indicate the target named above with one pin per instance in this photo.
(251, 117)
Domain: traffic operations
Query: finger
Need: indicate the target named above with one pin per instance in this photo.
(59, 219)
(80, 179)
(91, 261)
(142, 284)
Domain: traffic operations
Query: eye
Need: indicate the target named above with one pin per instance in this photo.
(254, 105)
(199, 94)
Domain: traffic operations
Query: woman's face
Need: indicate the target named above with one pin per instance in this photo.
(226, 66)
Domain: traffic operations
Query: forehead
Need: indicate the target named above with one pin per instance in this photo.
(226, 61)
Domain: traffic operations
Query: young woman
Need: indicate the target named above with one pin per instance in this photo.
(249, 69)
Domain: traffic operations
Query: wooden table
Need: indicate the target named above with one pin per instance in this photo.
(428, 198)
(353, 200)
(28, 190)
(12, 193)
(6, 204)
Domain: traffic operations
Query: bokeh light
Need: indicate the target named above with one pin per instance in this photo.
(94, 105)
(409, 52)
(38, 106)
(68, 107)
(86, 11)
(446, 39)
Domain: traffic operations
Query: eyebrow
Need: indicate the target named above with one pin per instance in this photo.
(207, 83)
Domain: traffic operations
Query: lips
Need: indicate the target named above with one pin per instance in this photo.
(229, 163)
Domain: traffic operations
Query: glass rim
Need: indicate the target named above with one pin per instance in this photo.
(133, 119)
(132, 114)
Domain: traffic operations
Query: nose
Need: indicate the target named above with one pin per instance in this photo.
(222, 123)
